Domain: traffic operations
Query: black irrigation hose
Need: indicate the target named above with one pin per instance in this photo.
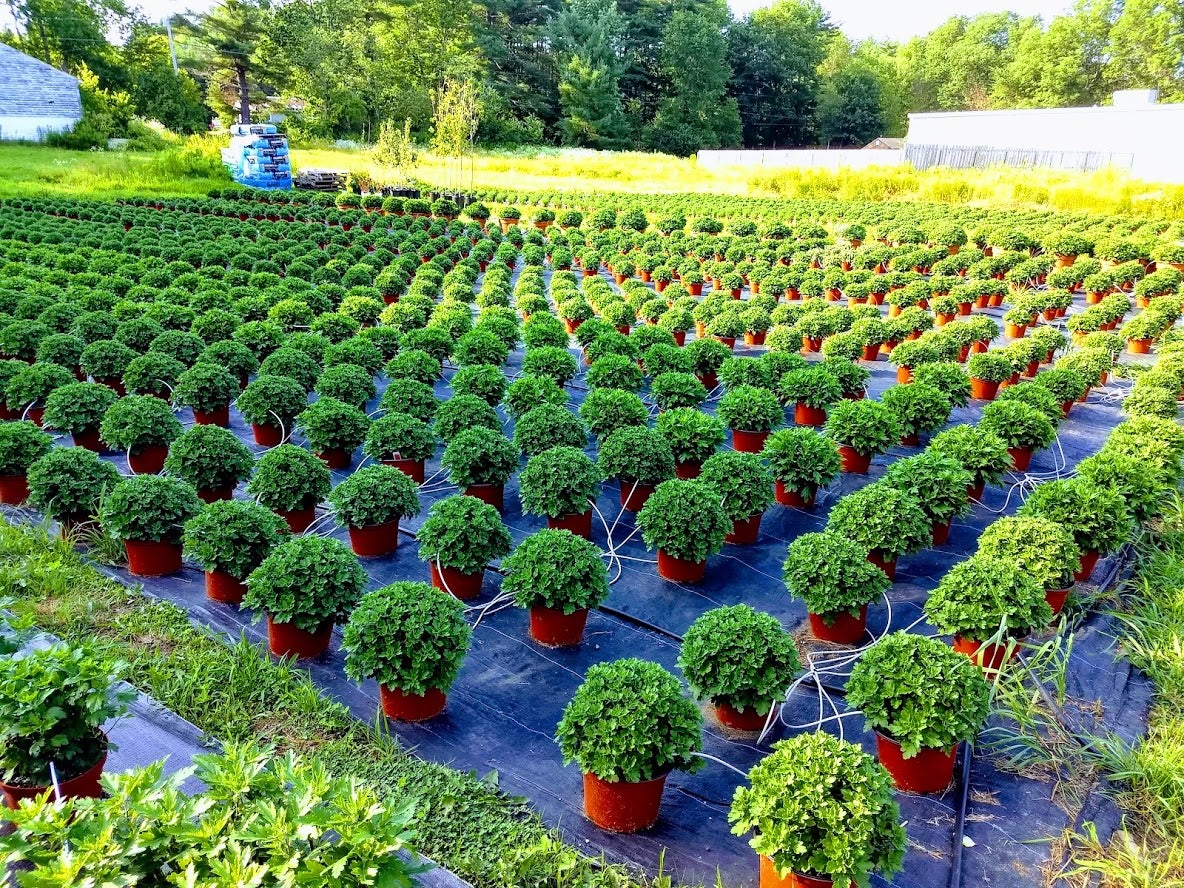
(960, 817)
(637, 621)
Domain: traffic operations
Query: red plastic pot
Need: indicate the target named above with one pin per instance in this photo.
(812, 343)
(792, 498)
(401, 706)
(464, 586)
(975, 491)
(940, 532)
(267, 435)
(633, 495)
(1138, 346)
(553, 628)
(845, 629)
(1056, 599)
(376, 540)
(1014, 331)
(335, 457)
(580, 524)
(870, 352)
(89, 438)
(745, 533)
(709, 380)
(286, 640)
(299, 519)
(412, 468)
(148, 460)
(748, 442)
(1089, 560)
(753, 338)
(623, 807)
(740, 719)
(888, 565)
(805, 415)
(930, 770)
(35, 415)
(85, 786)
(1021, 458)
(219, 417)
(221, 586)
(990, 657)
(116, 385)
(14, 489)
(729, 341)
(983, 389)
(493, 494)
(853, 461)
(680, 337)
(679, 570)
(152, 558)
(770, 879)
(687, 470)
(216, 494)
(904, 375)
(913, 440)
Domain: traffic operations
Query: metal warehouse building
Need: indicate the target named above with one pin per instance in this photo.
(35, 98)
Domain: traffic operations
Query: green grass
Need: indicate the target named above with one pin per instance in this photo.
(236, 692)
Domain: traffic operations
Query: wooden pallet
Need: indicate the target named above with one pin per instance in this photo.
(320, 180)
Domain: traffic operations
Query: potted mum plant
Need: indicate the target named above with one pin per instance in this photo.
(605, 411)
(692, 437)
(987, 604)
(802, 461)
(143, 426)
(401, 441)
(1021, 428)
(460, 537)
(269, 404)
(938, 483)
(54, 702)
(685, 522)
(627, 727)
(745, 485)
(834, 577)
(334, 430)
(560, 484)
(229, 539)
(673, 390)
(305, 585)
(986, 371)
(558, 576)
(812, 390)
(480, 461)
(28, 389)
(741, 661)
(823, 814)
(211, 459)
(105, 360)
(922, 700)
(290, 481)
(861, 430)
(21, 445)
(751, 413)
(1097, 517)
(547, 426)
(68, 484)
(1067, 386)
(79, 408)
(640, 459)
(412, 640)
(148, 513)
(919, 408)
(370, 503)
(1043, 549)
(885, 521)
(208, 390)
(980, 452)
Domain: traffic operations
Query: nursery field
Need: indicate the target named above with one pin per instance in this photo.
(699, 502)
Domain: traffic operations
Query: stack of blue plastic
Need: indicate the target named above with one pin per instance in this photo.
(258, 156)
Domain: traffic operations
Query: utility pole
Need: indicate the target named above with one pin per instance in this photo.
(168, 27)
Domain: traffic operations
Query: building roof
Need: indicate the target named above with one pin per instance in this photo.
(884, 142)
(31, 88)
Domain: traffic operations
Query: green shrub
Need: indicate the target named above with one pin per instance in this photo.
(139, 421)
(937, 482)
(1134, 480)
(636, 454)
(347, 383)
(554, 362)
(329, 424)
(549, 426)
(288, 478)
(867, 427)
(149, 508)
(831, 573)
(21, 445)
(990, 366)
(272, 401)
(407, 396)
(463, 533)
(557, 482)
(983, 598)
(399, 436)
(68, 483)
(463, 412)
(558, 570)
(209, 457)
(205, 388)
(306, 582)
(882, 519)
(294, 364)
(750, 409)
(742, 480)
(606, 411)
(34, 384)
(375, 495)
(980, 452)
(1017, 425)
(479, 456)
(484, 381)
(1096, 516)
(677, 390)
(684, 519)
(106, 359)
(233, 536)
(1042, 549)
(918, 407)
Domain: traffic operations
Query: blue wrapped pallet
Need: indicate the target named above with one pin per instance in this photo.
(258, 156)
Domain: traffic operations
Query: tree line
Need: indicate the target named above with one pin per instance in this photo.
(665, 75)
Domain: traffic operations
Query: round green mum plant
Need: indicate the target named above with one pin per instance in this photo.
(801, 459)
(78, 407)
(288, 478)
(692, 436)
(919, 692)
(557, 482)
(867, 427)
(463, 412)
(306, 582)
(937, 482)
(528, 392)
(685, 520)
(205, 388)
(153, 374)
(233, 536)
(149, 508)
(21, 445)
(743, 481)
(984, 597)
(814, 386)
(979, 451)
(479, 456)
(832, 575)
(823, 808)
(375, 495)
(348, 383)
(209, 457)
(329, 424)
(272, 401)
(484, 381)
(463, 533)
(399, 436)
(605, 411)
(558, 570)
(882, 518)
(68, 483)
(918, 407)
(1136, 481)
(1018, 425)
(636, 454)
(750, 409)
(948, 378)
(548, 426)
(738, 656)
(1096, 516)
(406, 636)
(139, 421)
(410, 397)
(106, 359)
(630, 722)
(1043, 549)
(31, 386)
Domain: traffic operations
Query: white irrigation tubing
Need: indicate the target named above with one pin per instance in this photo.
(719, 761)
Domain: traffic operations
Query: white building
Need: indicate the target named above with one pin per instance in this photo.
(35, 98)
(1136, 133)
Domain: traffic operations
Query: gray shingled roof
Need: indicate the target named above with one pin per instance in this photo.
(30, 87)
